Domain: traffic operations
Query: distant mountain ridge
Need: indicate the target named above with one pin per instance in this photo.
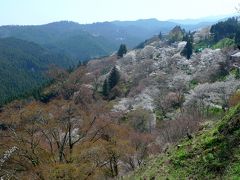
(87, 41)
(210, 19)
(52, 35)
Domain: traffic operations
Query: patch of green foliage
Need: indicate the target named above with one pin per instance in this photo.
(234, 169)
(176, 34)
(159, 115)
(193, 83)
(226, 42)
(208, 43)
(236, 73)
(198, 47)
(213, 153)
(215, 112)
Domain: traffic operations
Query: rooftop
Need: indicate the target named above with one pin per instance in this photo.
(236, 54)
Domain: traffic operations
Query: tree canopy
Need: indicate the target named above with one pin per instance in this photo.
(188, 49)
(111, 81)
(225, 29)
(122, 50)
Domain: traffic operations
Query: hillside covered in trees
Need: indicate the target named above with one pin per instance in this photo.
(67, 37)
(23, 67)
(162, 110)
(29, 50)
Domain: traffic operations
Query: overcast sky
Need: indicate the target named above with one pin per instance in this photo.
(88, 11)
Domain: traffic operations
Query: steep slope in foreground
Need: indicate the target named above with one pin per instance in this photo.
(212, 154)
(22, 65)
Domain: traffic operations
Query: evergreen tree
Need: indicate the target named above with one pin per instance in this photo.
(188, 49)
(160, 35)
(122, 50)
(237, 39)
(79, 63)
(105, 90)
(225, 29)
(185, 37)
(113, 77)
(111, 81)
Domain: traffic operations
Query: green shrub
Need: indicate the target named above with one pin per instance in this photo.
(193, 83)
(226, 42)
(198, 47)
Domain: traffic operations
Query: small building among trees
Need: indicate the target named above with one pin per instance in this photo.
(235, 59)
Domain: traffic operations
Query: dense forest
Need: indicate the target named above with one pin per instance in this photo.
(23, 67)
(223, 34)
(225, 29)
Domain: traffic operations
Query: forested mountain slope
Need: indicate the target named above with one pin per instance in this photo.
(64, 37)
(163, 100)
(109, 116)
(22, 66)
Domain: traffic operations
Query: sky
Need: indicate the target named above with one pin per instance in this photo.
(26, 12)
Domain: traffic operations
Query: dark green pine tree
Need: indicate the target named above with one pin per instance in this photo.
(122, 50)
(105, 89)
(188, 49)
(160, 35)
(237, 39)
(113, 78)
(185, 37)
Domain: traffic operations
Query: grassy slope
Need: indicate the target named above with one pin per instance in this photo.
(213, 153)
